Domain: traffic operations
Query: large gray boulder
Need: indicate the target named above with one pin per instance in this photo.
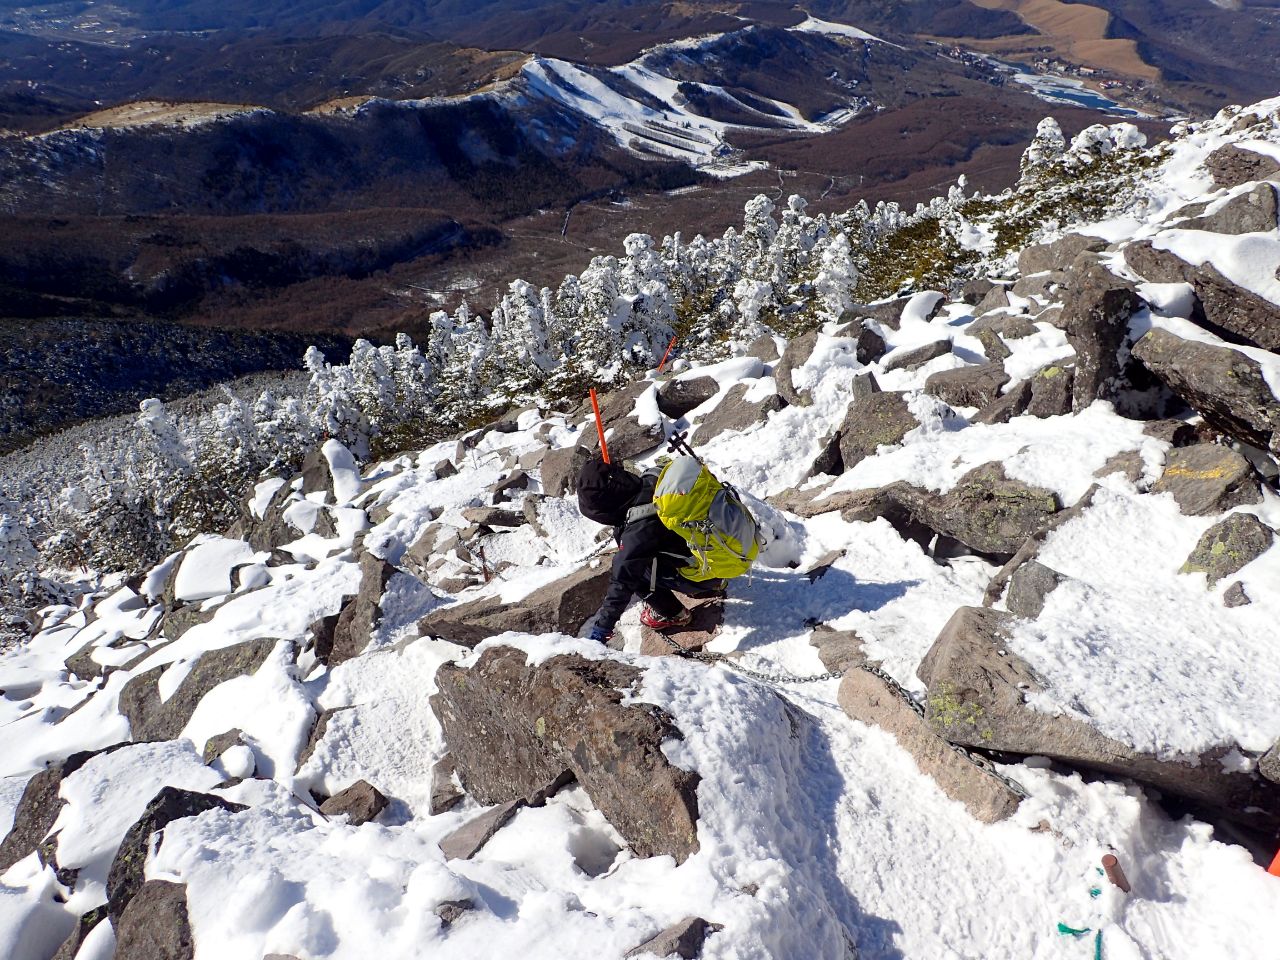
(1097, 306)
(126, 876)
(1057, 255)
(1222, 384)
(993, 346)
(39, 806)
(986, 511)
(1044, 285)
(1052, 391)
(678, 397)
(1234, 313)
(1253, 211)
(560, 468)
(997, 298)
(972, 386)
(360, 614)
(837, 649)
(866, 697)
(1030, 548)
(797, 353)
(764, 348)
(271, 530)
(624, 434)
(897, 503)
(514, 728)
(873, 421)
(559, 607)
(973, 292)
(978, 690)
(1208, 478)
(360, 803)
(735, 413)
(1012, 403)
(870, 346)
(626, 438)
(888, 313)
(1011, 326)
(150, 718)
(918, 356)
(684, 939)
(1230, 166)
(1029, 585)
(155, 924)
(1228, 546)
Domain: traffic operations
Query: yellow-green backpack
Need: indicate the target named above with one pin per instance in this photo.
(722, 535)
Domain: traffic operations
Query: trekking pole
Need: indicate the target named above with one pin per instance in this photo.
(679, 443)
(595, 405)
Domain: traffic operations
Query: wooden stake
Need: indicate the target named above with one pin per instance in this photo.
(595, 405)
(1111, 866)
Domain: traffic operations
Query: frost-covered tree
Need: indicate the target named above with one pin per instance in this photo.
(646, 322)
(793, 244)
(1047, 148)
(597, 348)
(333, 403)
(457, 353)
(836, 277)
(522, 354)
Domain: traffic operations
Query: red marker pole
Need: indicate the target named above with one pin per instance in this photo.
(1274, 869)
(667, 354)
(595, 405)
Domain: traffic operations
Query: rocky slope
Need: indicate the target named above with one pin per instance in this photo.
(1035, 521)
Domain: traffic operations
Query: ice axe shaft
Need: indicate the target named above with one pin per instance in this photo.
(604, 447)
(667, 354)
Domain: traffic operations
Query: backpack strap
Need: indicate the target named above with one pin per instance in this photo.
(642, 512)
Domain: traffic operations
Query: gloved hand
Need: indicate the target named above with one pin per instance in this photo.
(600, 634)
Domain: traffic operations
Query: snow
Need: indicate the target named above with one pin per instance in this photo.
(262, 494)
(270, 708)
(677, 131)
(1151, 637)
(1249, 260)
(344, 470)
(206, 569)
(104, 798)
(623, 117)
(812, 24)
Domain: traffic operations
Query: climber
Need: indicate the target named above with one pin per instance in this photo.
(649, 555)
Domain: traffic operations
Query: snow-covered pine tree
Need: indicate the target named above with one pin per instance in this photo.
(647, 321)
(334, 407)
(836, 277)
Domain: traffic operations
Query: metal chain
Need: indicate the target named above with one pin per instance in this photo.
(977, 759)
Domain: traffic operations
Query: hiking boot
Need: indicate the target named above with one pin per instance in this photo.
(655, 621)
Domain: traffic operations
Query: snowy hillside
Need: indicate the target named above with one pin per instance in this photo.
(1020, 556)
(652, 107)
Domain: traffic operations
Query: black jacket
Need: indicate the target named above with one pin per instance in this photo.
(639, 543)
